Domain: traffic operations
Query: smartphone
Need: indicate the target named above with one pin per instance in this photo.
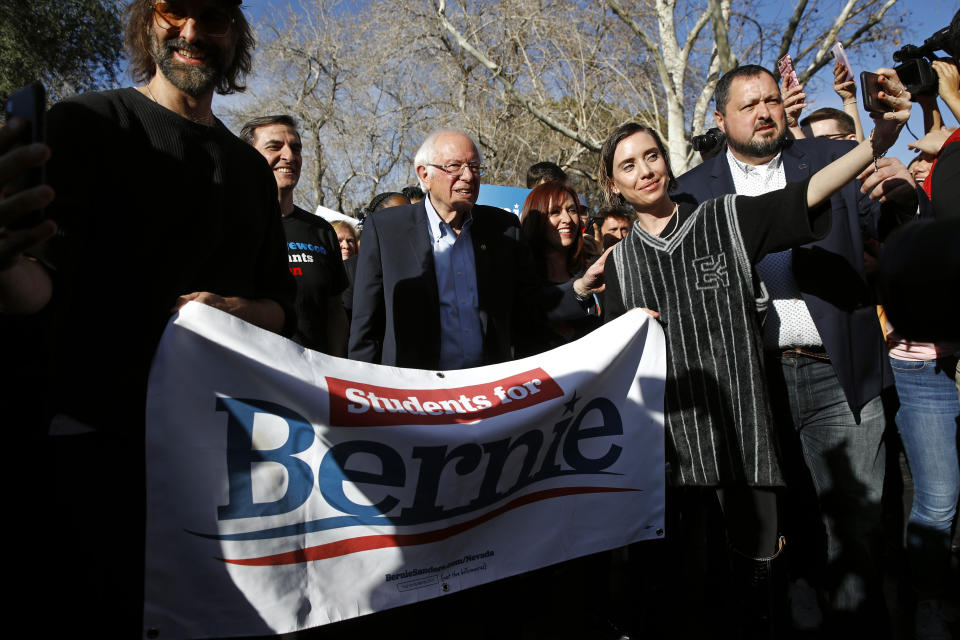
(28, 103)
(870, 87)
(841, 56)
(785, 65)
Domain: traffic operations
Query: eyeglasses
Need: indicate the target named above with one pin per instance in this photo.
(457, 168)
(211, 20)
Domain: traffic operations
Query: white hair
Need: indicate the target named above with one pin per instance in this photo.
(426, 153)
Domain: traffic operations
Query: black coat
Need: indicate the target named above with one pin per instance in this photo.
(396, 308)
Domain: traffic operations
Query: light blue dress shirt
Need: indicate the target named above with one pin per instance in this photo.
(461, 332)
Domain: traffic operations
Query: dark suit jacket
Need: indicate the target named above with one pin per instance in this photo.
(830, 271)
(396, 307)
(350, 266)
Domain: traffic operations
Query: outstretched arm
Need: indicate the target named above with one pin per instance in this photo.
(932, 120)
(793, 104)
(887, 127)
(592, 281)
(932, 142)
(262, 312)
(847, 90)
(949, 85)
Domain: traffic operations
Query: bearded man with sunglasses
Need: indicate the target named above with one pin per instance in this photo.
(156, 204)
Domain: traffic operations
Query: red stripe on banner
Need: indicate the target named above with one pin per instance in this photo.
(355, 404)
(366, 543)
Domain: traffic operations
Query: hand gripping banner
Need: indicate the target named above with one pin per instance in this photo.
(289, 489)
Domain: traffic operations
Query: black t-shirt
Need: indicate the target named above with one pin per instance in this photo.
(150, 206)
(313, 255)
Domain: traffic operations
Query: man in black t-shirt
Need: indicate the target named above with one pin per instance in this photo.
(156, 204)
(313, 251)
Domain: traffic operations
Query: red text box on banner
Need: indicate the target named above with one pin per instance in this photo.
(355, 404)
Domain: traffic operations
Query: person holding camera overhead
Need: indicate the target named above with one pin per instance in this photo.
(926, 373)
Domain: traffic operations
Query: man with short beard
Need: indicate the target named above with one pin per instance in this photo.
(156, 204)
(827, 361)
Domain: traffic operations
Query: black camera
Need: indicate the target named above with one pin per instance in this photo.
(708, 142)
(915, 69)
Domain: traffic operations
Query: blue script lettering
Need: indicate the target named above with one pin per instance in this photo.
(560, 457)
(241, 455)
(333, 472)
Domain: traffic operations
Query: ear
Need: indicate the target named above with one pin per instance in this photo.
(613, 187)
(422, 172)
(719, 118)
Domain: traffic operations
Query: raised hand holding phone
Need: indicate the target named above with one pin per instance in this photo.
(841, 57)
(787, 72)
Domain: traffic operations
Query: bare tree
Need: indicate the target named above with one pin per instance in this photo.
(529, 80)
(673, 60)
(810, 32)
(313, 63)
(684, 46)
(533, 81)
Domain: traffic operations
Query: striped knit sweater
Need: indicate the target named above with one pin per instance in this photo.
(718, 417)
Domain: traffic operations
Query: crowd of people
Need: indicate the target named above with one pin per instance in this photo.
(764, 265)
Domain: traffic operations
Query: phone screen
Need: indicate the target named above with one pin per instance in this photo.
(28, 104)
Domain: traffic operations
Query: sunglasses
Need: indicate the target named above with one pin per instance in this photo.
(211, 20)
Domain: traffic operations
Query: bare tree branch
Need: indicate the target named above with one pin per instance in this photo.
(593, 145)
(720, 20)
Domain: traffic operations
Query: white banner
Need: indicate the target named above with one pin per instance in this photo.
(288, 489)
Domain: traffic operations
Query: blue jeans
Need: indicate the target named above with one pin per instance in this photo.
(839, 457)
(927, 421)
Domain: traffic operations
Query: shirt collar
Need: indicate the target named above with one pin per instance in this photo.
(746, 169)
(438, 228)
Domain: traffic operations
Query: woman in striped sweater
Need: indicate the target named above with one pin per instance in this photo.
(693, 265)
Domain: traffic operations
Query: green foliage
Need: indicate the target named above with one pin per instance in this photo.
(70, 45)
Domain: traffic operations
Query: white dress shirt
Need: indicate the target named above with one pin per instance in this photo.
(788, 323)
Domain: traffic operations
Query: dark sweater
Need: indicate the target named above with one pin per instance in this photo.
(700, 279)
(150, 206)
